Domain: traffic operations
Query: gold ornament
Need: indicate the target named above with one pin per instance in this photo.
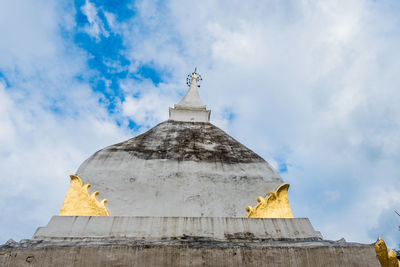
(78, 201)
(386, 258)
(274, 205)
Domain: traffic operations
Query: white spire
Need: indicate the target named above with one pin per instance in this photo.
(192, 97)
(190, 108)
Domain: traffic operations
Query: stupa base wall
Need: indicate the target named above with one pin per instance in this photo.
(159, 228)
(193, 254)
(182, 241)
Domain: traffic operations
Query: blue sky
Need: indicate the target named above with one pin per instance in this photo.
(311, 86)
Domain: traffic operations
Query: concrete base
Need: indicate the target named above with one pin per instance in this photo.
(190, 253)
(189, 114)
(179, 241)
(161, 228)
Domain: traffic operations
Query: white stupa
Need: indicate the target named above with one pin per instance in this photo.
(177, 196)
(184, 167)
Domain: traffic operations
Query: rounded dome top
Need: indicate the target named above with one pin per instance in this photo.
(186, 141)
(179, 168)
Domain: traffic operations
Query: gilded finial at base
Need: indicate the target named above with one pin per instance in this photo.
(274, 205)
(78, 201)
(386, 257)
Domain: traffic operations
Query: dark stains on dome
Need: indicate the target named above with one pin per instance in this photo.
(185, 141)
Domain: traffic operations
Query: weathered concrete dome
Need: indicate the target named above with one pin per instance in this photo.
(184, 167)
(179, 169)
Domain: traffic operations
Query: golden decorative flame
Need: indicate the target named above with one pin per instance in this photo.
(78, 201)
(386, 258)
(274, 205)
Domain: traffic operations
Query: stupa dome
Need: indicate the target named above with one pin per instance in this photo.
(184, 167)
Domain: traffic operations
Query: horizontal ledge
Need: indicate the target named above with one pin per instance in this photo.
(160, 228)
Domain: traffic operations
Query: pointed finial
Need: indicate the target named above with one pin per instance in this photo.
(194, 73)
(191, 108)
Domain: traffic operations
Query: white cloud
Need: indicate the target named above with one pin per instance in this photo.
(111, 20)
(152, 105)
(96, 25)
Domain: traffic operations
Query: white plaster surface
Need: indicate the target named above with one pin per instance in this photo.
(192, 97)
(159, 187)
(159, 228)
(189, 114)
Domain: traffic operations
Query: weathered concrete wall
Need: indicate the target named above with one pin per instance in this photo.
(147, 255)
(158, 228)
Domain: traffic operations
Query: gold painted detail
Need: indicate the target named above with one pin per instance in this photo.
(274, 205)
(386, 258)
(78, 201)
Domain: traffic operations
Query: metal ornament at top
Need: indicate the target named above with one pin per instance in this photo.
(194, 75)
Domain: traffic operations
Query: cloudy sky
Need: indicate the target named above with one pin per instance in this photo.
(312, 86)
